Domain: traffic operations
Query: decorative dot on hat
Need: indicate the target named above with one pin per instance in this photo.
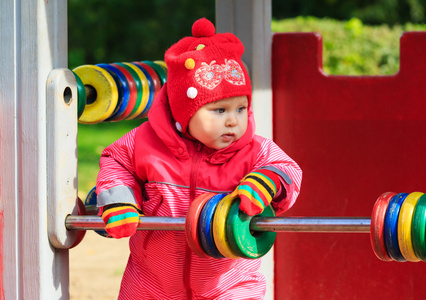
(189, 64)
(192, 92)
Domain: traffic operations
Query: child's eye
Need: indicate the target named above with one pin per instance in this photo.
(241, 109)
(220, 110)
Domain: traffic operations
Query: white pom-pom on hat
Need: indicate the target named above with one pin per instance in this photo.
(192, 92)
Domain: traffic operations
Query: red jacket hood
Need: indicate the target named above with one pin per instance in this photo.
(161, 121)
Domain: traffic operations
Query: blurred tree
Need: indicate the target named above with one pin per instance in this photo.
(126, 30)
(389, 12)
(351, 47)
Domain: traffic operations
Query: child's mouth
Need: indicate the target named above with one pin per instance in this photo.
(228, 137)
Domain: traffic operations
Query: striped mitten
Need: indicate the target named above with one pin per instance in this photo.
(256, 191)
(121, 219)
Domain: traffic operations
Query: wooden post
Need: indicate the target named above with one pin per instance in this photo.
(33, 42)
(250, 21)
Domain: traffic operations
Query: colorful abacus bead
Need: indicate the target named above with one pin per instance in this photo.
(205, 226)
(81, 96)
(123, 90)
(159, 70)
(163, 65)
(154, 76)
(132, 92)
(90, 204)
(245, 242)
(151, 86)
(391, 227)
(418, 229)
(81, 211)
(118, 91)
(191, 224)
(405, 221)
(142, 108)
(377, 226)
(219, 228)
(101, 91)
(139, 88)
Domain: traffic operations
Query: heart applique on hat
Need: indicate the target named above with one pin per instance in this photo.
(211, 75)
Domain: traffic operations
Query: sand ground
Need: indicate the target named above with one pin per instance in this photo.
(96, 267)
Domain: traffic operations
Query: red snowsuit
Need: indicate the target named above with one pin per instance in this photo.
(162, 172)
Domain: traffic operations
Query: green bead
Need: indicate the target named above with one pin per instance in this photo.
(138, 87)
(243, 241)
(81, 96)
(418, 228)
(159, 70)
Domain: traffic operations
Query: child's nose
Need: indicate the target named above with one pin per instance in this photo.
(232, 120)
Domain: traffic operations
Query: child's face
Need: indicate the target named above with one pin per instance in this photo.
(218, 124)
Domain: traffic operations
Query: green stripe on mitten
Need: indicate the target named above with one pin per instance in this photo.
(256, 191)
(121, 219)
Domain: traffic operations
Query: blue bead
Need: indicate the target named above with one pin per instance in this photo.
(391, 227)
(151, 88)
(123, 90)
(205, 228)
(92, 199)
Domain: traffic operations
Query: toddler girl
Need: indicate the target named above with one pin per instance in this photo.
(200, 138)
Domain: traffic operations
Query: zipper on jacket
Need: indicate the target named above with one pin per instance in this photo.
(194, 171)
(148, 235)
(193, 183)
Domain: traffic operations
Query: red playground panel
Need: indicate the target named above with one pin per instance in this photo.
(355, 137)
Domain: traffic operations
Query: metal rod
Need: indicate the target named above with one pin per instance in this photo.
(312, 224)
(277, 224)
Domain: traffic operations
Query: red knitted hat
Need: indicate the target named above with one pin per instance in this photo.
(204, 68)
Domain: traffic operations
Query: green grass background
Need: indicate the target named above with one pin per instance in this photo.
(350, 48)
(92, 139)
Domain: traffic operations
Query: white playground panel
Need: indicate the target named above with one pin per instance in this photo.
(33, 35)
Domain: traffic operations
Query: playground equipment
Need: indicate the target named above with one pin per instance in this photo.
(355, 137)
(215, 227)
(351, 150)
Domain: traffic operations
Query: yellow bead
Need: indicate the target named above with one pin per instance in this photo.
(219, 228)
(106, 91)
(162, 64)
(189, 64)
(145, 91)
(405, 220)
